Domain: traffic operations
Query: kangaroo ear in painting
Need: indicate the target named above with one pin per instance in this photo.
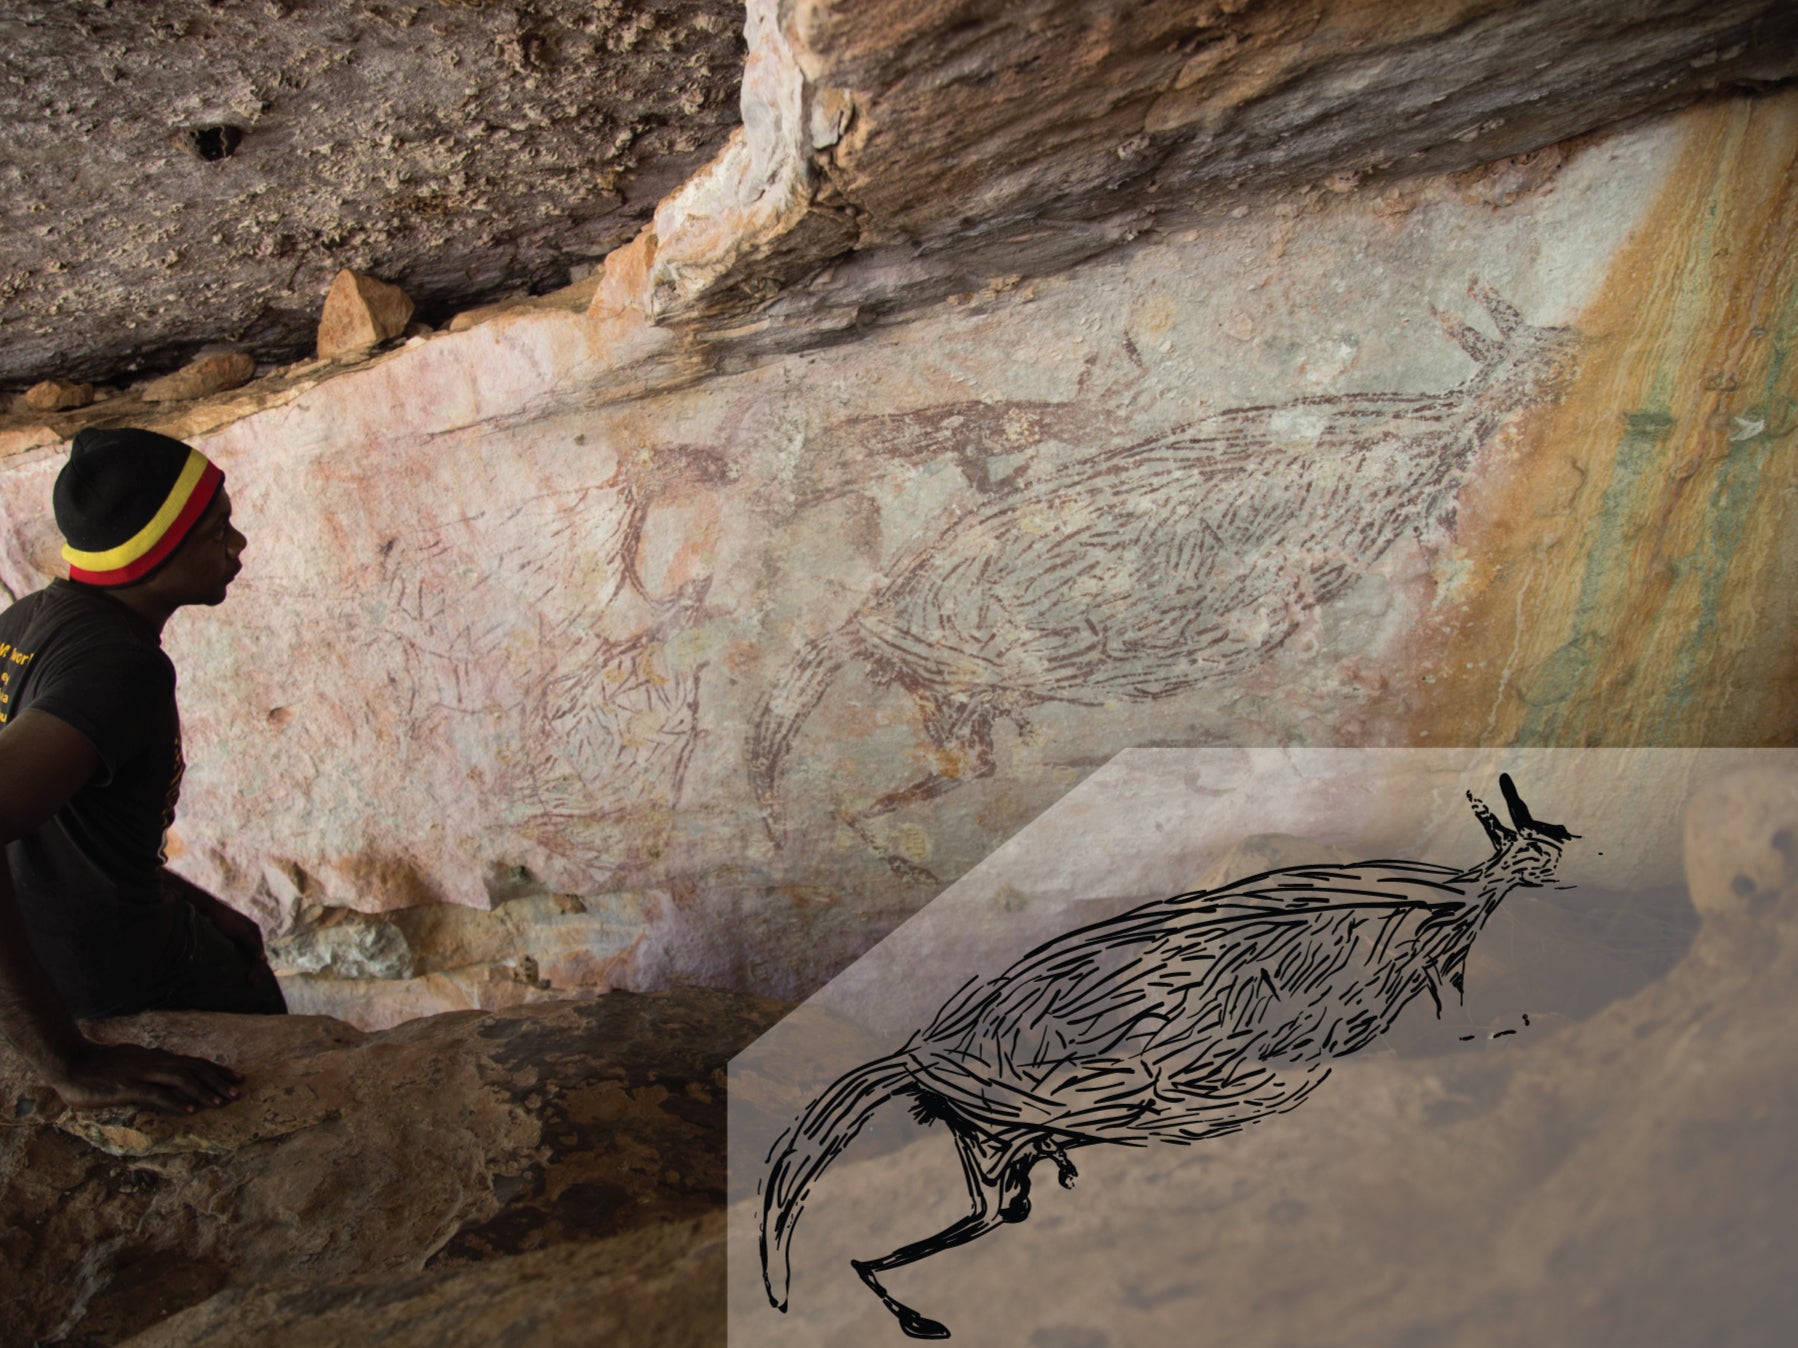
(1504, 314)
(1520, 814)
(1483, 350)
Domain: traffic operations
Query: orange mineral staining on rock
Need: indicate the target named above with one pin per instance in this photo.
(1631, 581)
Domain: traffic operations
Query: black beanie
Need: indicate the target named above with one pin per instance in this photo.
(125, 500)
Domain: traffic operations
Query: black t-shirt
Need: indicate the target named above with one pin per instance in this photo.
(88, 879)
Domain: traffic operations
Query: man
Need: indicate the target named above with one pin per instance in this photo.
(91, 923)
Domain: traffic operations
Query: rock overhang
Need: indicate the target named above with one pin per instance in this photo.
(178, 173)
(887, 154)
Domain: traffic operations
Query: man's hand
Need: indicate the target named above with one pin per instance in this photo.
(130, 1074)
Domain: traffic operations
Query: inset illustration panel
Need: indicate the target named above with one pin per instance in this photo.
(1423, 1029)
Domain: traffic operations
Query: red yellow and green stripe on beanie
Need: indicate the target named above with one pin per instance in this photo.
(125, 500)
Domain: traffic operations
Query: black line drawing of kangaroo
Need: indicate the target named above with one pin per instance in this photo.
(1180, 1020)
(1143, 571)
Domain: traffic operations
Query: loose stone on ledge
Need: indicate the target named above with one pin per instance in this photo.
(360, 314)
(209, 374)
(58, 395)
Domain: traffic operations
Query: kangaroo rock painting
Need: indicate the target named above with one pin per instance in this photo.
(1141, 572)
(1181, 1020)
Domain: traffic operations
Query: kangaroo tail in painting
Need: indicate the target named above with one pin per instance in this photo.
(779, 718)
(828, 1125)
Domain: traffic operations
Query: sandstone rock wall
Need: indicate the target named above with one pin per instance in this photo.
(1015, 386)
(1020, 384)
(915, 147)
(748, 667)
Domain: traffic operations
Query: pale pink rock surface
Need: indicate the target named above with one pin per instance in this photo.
(517, 598)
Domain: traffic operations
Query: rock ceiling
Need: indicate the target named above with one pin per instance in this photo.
(178, 173)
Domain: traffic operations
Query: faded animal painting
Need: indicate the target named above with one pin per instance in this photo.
(1143, 571)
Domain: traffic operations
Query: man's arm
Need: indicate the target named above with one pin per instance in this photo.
(43, 762)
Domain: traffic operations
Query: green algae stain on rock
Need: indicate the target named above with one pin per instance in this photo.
(1559, 677)
(1632, 577)
(1614, 535)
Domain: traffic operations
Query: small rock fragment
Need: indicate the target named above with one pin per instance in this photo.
(360, 314)
(209, 374)
(58, 395)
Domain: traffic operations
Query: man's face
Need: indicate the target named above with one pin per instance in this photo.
(206, 563)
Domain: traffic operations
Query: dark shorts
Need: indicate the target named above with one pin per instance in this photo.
(218, 975)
